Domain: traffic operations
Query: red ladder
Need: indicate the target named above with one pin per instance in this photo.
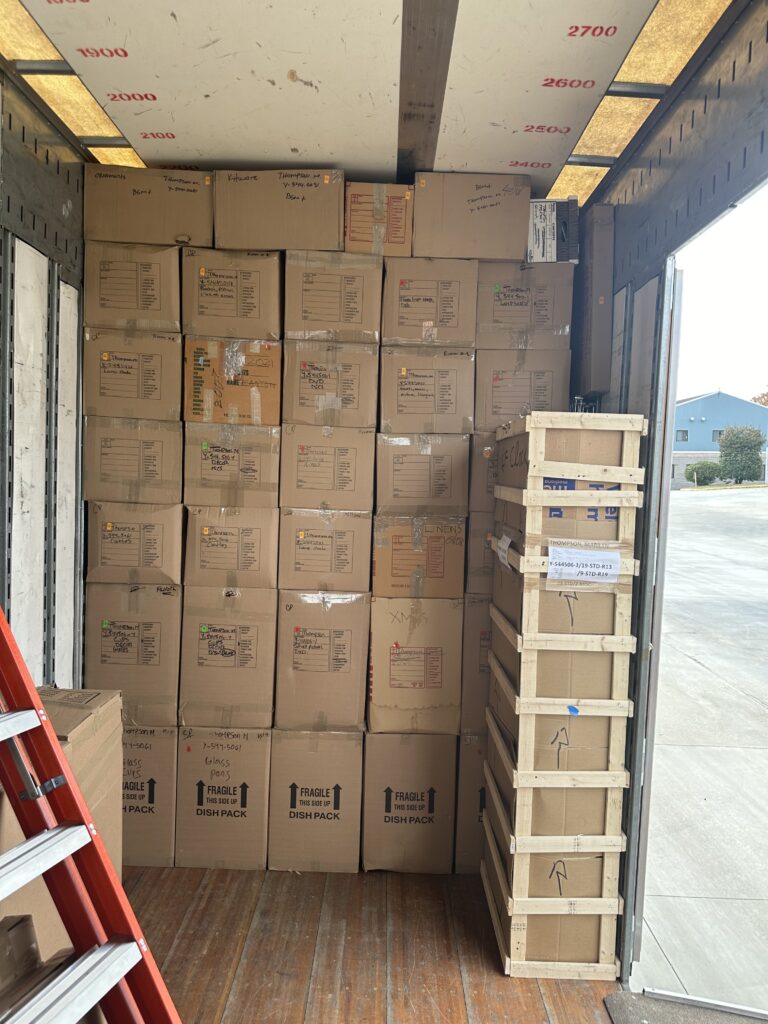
(114, 967)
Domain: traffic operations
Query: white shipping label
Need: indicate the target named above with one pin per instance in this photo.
(502, 549)
(589, 566)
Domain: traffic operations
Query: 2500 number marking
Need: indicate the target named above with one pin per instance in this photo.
(549, 128)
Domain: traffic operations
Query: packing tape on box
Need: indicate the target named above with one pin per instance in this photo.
(135, 591)
(379, 219)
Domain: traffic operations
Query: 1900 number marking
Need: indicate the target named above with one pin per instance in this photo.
(102, 51)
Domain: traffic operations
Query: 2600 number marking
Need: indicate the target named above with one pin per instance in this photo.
(102, 51)
(550, 129)
(158, 135)
(126, 96)
(592, 30)
(568, 83)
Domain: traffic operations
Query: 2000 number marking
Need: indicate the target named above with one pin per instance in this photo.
(592, 30)
(549, 128)
(139, 96)
(568, 83)
(158, 135)
(102, 51)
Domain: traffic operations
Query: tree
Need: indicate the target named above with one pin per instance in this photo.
(702, 473)
(740, 449)
(761, 399)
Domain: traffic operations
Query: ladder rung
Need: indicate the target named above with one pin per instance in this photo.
(78, 987)
(30, 859)
(14, 722)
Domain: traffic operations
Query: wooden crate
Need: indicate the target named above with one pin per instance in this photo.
(550, 486)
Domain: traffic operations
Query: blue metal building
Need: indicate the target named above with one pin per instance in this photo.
(700, 420)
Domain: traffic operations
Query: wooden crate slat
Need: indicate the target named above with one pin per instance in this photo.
(626, 422)
(587, 471)
(587, 499)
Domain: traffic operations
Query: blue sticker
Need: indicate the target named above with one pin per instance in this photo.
(572, 709)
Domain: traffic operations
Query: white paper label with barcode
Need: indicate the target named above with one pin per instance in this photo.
(502, 547)
(587, 565)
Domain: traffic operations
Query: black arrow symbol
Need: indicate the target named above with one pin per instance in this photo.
(482, 799)
(561, 739)
(570, 600)
(294, 790)
(243, 794)
(387, 800)
(431, 801)
(151, 791)
(336, 796)
(200, 793)
(559, 869)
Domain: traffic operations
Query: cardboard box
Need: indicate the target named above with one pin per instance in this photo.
(470, 803)
(292, 209)
(418, 556)
(559, 611)
(314, 801)
(132, 460)
(325, 550)
(475, 674)
(482, 216)
(134, 543)
(432, 302)
(327, 467)
(149, 795)
(89, 728)
(480, 555)
(415, 673)
(18, 950)
(423, 474)
(132, 286)
(228, 657)
(161, 207)
(512, 383)
(322, 657)
(134, 374)
(332, 296)
(427, 390)
(553, 231)
(594, 335)
(132, 638)
(408, 803)
(232, 381)
(221, 802)
(521, 306)
(231, 547)
(562, 674)
(231, 294)
(482, 473)
(231, 467)
(328, 384)
(378, 218)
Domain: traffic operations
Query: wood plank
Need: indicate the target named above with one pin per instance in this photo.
(576, 1002)
(349, 975)
(490, 997)
(200, 967)
(161, 899)
(424, 982)
(272, 980)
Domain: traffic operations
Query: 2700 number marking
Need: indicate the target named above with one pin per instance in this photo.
(549, 128)
(568, 83)
(139, 96)
(102, 51)
(592, 30)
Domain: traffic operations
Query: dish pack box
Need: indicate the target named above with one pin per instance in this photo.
(228, 657)
(408, 803)
(482, 473)
(132, 286)
(231, 547)
(231, 294)
(290, 209)
(332, 296)
(481, 557)
(222, 796)
(314, 801)
(524, 306)
(470, 803)
(150, 205)
(135, 374)
(132, 643)
(130, 543)
(149, 795)
(418, 556)
(322, 658)
(509, 384)
(132, 460)
(427, 390)
(428, 301)
(232, 381)
(475, 673)
(378, 218)
(422, 474)
(330, 384)
(482, 216)
(231, 467)
(325, 550)
(415, 665)
(327, 467)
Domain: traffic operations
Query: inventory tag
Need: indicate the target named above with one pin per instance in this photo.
(502, 549)
(585, 564)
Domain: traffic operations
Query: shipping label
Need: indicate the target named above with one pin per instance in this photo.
(222, 463)
(321, 551)
(136, 375)
(325, 468)
(415, 668)
(125, 284)
(130, 643)
(583, 565)
(511, 306)
(229, 292)
(321, 650)
(222, 646)
(361, 220)
(131, 545)
(421, 476)
(421, 300)
(514, 391)
(230, 548)
(428, 560)
(124, 459)
(426, 391)
(320, 381)
(332, 298)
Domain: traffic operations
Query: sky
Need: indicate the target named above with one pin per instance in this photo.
(724, 324)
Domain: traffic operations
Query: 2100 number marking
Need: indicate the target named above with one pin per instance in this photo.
(158, 135)
(592, 30)
(549, 128)
(568, 83)
(139, 96)
(102, 51)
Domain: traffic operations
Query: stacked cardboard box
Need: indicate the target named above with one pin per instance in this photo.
(567, 491)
